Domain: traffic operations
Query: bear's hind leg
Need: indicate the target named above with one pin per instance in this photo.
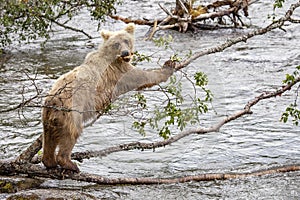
(64, 154)
(49, 146)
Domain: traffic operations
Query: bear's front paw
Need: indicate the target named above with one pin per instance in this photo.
(49, 163)
(66, 163)
(170, 64)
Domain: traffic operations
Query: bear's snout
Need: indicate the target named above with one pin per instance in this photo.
(125, 53)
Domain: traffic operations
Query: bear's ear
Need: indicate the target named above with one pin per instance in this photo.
(105, 34)
(130, 28)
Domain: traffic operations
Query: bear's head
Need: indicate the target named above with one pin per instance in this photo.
(119, 44)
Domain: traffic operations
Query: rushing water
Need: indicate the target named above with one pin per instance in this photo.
(236, 76)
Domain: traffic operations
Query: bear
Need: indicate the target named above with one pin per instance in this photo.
(86, 91)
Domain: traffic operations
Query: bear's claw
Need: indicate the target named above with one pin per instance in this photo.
(67, 164)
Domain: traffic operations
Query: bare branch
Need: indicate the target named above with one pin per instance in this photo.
(214, 14)
(181, 4)
(71, 28)
(154, 29)
(165, 10)
(21, 105)
(31, 151)
(296, 21)
(135, 21)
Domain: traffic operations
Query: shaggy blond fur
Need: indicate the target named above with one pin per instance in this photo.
(80, 94)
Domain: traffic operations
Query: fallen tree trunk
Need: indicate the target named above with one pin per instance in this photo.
(11, 168)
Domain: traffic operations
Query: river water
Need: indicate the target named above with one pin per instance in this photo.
(237, 75)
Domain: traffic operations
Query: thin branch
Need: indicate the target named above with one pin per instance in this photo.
(181, 4)
(71, 28)
(215, 128)
(214, 14)
(154, 29)
(31, 151)
(165, 27)
(165, 10)
(135, 21)
(21, 105)
(296, 21)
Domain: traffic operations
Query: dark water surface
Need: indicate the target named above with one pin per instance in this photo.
(236, 76)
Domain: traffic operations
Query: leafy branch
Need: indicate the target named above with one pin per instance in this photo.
(172, 113)
(292, 110)
(28, 20)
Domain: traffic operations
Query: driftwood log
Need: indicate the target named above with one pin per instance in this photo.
(23, 164)
(187, 16)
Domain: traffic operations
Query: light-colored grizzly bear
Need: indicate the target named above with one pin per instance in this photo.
(87, 90)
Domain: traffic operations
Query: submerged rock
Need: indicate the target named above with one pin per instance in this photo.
(15, 184)
(22, 188)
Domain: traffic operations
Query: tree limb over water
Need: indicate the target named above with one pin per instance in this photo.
(23, 165)
(214, 128)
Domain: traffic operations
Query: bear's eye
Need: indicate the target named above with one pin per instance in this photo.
(126, 42)
(116, 45)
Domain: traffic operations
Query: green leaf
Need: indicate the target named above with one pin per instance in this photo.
(142, 102)
(139, 57)
(201, 79)
(140, 126)
(164, 41)
(293, 112)
(278, 3)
